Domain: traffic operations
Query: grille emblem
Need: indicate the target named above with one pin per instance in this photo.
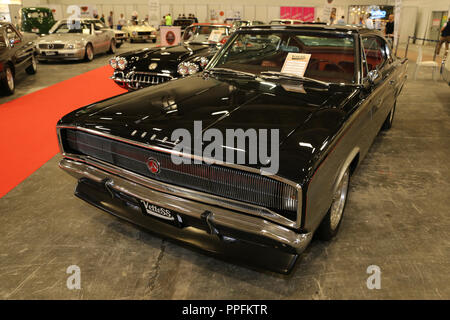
(153, 165)
(153, 66)
(50, 46)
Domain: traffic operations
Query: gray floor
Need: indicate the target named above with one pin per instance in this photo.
(397, 218)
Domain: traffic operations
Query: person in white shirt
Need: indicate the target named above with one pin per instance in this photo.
(122, 22)
(341, 20)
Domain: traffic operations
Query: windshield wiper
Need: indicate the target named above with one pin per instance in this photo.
(226, 71)
(290, 76)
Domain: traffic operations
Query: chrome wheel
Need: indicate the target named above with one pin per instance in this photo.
(113, 47)
(10, 79)
(89, 53)
(338, 204)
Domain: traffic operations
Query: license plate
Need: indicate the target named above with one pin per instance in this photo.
(165, 214)
(145, 37)
(50, 53)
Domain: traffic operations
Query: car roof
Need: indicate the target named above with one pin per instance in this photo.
(318, 27)
(211, 24)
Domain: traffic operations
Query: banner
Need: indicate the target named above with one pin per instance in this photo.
(154, 13)
(170, 36)
(297, 13)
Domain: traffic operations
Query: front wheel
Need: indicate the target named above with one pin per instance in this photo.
(332, 220)
(8, 81)
(390, 119)
(89, 54)
(32, 68)
(112, 47)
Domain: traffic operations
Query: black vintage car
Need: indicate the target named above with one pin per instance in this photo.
(125, 153)
(137, 69)
(16, 55)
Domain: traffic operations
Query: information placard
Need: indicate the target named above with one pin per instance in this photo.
(296, 63)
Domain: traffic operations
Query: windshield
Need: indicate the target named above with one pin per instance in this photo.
(331, 55)
(71, 26)
(205, 34)
(138, 23)
(2, 41)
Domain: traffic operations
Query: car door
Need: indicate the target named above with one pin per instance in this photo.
(382, 91)
(97, 39)
(18, 48)
(103, 36)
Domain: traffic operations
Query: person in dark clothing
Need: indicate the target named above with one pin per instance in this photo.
(445, 37)
(389, 29)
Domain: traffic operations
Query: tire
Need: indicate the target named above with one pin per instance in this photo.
(331, 222)
(89, 53)
(390, 119)
(118, 45)
(32, 68)
(8, 82)
(112, 47)
(154, 40)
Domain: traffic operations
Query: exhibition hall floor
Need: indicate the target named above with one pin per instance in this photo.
(397, 218)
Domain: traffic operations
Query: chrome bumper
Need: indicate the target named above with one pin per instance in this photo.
(217, 218)
(62, 53)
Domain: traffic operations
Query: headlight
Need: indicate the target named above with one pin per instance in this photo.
(134, 33)
(70, 46)
(203, 62)
(186, 68)
(121, 63)
(113, 62)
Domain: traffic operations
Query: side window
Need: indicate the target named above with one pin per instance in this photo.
(375, 50)
(12, 35)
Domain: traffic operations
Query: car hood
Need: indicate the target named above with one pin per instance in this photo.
(150, 115)
(167, 58)
(139, 28)
(58, 37)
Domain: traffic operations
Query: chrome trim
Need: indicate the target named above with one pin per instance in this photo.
(218, 216)
(256, 210)
(120, 76)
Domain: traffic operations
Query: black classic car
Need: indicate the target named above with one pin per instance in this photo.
(16, 55)
(323, 92)
(137, 69)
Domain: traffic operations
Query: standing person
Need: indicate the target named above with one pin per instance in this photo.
(445, 37)
(195, 18)
(121, 23)
(102, 19)
(168, 20)
(163, 21)
(110, 20)
(341, 20)
(389, 29)
(369, 22)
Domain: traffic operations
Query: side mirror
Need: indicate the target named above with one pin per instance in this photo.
(374, 76)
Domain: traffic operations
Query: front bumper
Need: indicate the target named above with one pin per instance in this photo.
(228, 233)
(142, 37)
(61, 54)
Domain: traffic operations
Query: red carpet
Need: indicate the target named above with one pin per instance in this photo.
(28, 124)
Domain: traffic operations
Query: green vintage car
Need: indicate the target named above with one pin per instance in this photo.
(36, 20)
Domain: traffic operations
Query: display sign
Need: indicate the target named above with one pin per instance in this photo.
(296, 63)
(170, 36)
(215, 35)
(297, 13)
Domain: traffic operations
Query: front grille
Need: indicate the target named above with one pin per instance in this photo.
(213, 179)
(120, 36)
(52, 46)
(143, 79)
(144, 33)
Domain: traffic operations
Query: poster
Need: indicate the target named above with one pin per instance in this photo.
(297, 13)
(170, 36)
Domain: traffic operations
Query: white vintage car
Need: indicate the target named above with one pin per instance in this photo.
(76, 40)
(139, 31)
